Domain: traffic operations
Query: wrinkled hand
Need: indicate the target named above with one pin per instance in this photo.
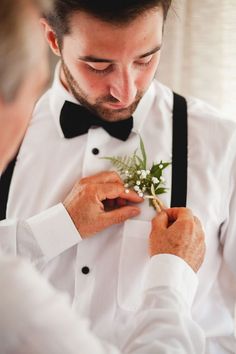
(177, 231)
(100, 201)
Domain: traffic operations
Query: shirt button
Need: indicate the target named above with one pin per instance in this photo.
(85, 270)
(95, 151)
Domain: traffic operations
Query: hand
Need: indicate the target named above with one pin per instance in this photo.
(100, 201)
(177, 231)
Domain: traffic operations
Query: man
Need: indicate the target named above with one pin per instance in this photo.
(109, 57)
(33, 317)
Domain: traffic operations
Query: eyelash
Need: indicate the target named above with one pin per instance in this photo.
(101, 72)
(110, 67)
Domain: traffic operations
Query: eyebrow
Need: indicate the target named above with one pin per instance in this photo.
(93, 59)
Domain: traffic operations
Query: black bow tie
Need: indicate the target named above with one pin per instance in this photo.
(76, 120)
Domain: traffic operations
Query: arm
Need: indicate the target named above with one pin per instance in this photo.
(93, 204)
(35, 318)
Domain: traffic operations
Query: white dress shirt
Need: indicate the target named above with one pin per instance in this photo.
(46, 169)
(35, 319)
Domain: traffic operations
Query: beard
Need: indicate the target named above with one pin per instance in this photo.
(97, 108)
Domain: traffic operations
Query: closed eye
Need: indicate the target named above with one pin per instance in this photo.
(144, 61)
(100, 68)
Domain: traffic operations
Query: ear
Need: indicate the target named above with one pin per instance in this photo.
(50, 37)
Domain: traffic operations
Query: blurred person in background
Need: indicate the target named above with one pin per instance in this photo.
(34, 318)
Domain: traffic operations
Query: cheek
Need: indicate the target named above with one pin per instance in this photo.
(147, 76)
(90, 83)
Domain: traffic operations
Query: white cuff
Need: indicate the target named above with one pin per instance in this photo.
(54, 231)
(172, 271)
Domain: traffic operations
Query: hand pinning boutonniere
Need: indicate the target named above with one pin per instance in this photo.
(148, 183)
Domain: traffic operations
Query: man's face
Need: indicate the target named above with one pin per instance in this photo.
(108, 68)
(15, 115)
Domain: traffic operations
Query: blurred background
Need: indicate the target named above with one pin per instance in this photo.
(199, 52)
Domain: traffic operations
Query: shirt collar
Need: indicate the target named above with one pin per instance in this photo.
(59, 94)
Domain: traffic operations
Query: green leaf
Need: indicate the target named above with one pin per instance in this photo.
(140, 163)
(165, 164)
(121, 163)
(156, 171)
(160, 190)
(142, 148)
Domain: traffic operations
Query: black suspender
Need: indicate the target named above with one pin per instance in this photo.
(179, 160)
(5, 182)
(179, 152)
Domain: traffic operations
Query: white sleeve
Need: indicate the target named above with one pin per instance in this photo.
(163, 323)
(34, 318)
(41, 237)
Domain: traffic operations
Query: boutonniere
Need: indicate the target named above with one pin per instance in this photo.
(148, 183)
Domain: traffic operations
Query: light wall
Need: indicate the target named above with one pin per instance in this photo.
(199, 52)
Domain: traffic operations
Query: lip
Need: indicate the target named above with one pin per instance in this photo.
(116, 106)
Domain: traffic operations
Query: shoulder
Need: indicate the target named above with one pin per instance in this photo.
(211, 122)
(201, 115)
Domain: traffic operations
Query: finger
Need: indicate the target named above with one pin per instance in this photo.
(160, 221)
(109, 191)
(120, 215)
(131, 196)
(103, 177)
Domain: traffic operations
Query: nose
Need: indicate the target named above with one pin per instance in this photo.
(123, 88)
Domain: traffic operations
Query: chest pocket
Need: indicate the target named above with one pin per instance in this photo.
(134, 258)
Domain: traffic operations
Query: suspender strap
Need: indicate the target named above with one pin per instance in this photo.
(179, 152)
(5, 181)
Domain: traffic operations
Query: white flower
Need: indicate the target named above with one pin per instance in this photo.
(143, 189)
(140, 194)
(143, 174)
(138, 183)
(162, 179)
(155, 180)
(136, 188)
(148, 172)
(126, 185)
(138, 172)
(126, 172)
(161, 166)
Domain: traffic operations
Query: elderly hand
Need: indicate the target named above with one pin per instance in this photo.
(100, 201)
(177, 231)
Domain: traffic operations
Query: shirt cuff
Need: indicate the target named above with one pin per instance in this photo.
(168, 270)
(54, 231)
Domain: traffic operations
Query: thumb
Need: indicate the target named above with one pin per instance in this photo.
(119, 215)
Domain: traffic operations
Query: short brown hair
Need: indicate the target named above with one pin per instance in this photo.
(113, 11)
(14, 53)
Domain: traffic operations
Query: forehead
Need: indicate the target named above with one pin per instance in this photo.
(92, 36)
